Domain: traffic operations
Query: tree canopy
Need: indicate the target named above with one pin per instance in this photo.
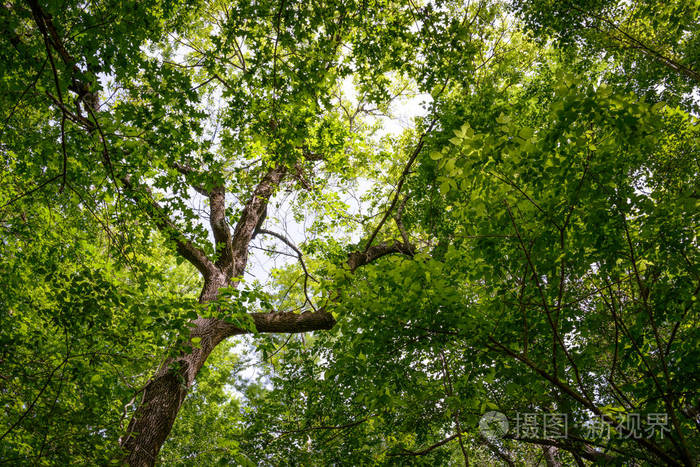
(349, 232)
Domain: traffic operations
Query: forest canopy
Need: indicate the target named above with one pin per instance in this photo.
(376, 232)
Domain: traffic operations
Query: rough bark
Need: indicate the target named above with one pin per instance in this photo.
(361, 258)
(550, 456)
(163, 395)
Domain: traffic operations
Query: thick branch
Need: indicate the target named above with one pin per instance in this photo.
(254, 209)
(185, 247)
(283, 322)
(362, 258)
(220, 228)
(584, 450)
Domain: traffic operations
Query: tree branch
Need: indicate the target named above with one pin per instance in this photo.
(253, 211)
(300, 256)
(425, 451)
(284, 322)
(402, 180)
(220, 228)
(362, 258)
(48, 29)
(188, 171)
(586, 451)
(504, 455)
(184, 246)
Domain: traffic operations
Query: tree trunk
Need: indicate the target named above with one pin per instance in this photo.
(164, 394)
(550, 456)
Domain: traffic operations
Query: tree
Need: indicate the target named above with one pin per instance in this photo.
(529, 230)
(270, 68)
(557, 280)
(654, 44)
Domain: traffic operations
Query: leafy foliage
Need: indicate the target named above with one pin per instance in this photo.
(528, 245)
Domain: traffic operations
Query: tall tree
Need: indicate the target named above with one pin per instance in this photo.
(530, 244)
(144, 106)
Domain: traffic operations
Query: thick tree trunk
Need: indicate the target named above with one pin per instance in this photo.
(163, 396)
(551, 456)
(154, 418)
